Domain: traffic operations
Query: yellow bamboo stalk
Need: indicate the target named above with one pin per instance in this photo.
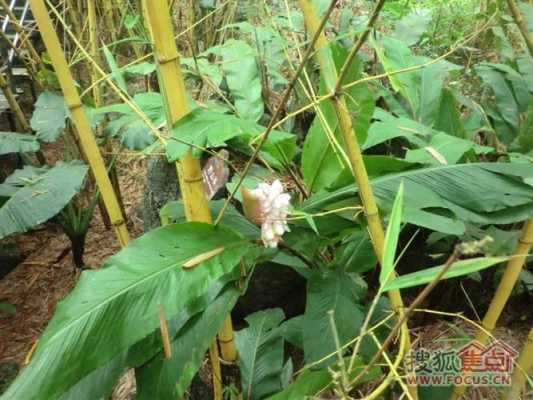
(81, 123)
(23, 35)
(504, 291)
(522, 368)
(107, 10)
(355, 156)
(189, 169)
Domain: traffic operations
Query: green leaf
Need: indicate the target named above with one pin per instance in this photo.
(203, 128)
(448, 118)
(117, 306)
(395, 55)
(260, 348)
(391, 238)
(20, 178)
(321, 161)
(451, 148)
(12, 142)
(458, 268)
(334, 291)
(503, 92)
(144, 68)
(411, 27)
(204, 67)
(174, 211)
(116, 72)
(242, 76)
(356, 253)
(444, 198)
(40, 198)
(525, 134)
(134, 132)
(49, 116)
(157, 379)
(7, 308)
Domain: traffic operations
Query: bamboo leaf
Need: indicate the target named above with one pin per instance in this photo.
(116, 72)
(113, 308)
(391, 239)
(41, 195)
(458, 268)
(13, 142)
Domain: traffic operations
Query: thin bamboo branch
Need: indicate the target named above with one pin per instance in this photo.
(504, 291)
(375, 227)
(521, 23)
(83, 127)
(522, 368)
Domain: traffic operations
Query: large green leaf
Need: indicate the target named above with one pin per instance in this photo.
(174, 212)
(260, 348)
(204, 128)
(41, 196)
(395, 55)
(448, 118)
(321, 162)
(134, 132)
(20, 178)
(458, 268)
(169, 379)
(410, 28)
(444, 198)
(117, 306)
(242, 76)
(12, 142)
(335, 291)
(49, 117)
(356, 253)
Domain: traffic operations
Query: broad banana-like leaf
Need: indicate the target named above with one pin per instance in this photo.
(338, 292)
(242, 76)
(114, 308)
(41, 195)
(12, 142)
(49, 117)
(446, 197)
(169, 379)
(260, 348)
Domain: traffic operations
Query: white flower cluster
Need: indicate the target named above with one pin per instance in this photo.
(274, 206)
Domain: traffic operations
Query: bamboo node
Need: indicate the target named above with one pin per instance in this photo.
(74, 105)
(118, 222)
(162, 59)
(193, 180)
(526, 242)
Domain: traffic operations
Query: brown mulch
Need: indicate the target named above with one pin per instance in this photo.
(47, 273)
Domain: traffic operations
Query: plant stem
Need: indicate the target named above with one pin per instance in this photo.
(355, 156)
(522, 367)
(504, 291)
(83, 127)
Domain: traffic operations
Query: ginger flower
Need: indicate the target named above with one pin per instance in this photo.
(268, 206)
